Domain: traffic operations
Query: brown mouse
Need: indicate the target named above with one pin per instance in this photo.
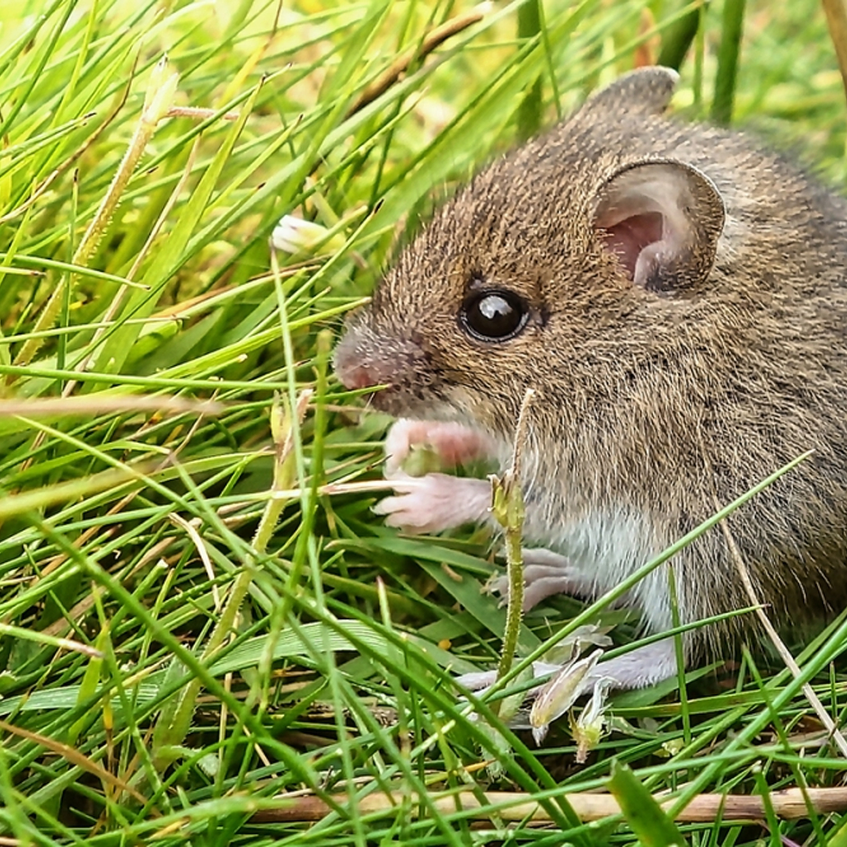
(676, 297)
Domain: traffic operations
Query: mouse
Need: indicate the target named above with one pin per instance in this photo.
(674, 294)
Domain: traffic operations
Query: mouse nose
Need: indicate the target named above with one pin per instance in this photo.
(356, 366)
(365, 359)
(358, 376)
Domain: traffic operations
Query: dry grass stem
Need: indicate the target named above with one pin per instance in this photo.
(788, 804)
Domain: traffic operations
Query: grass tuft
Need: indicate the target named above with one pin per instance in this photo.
(206, 636)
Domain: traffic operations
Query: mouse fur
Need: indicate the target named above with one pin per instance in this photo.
(684, 334)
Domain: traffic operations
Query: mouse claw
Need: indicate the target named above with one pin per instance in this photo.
(553, 574)
(434, 502)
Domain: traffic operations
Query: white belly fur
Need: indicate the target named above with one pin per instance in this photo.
(606, 547)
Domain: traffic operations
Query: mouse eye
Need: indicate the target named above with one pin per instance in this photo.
(493, 315)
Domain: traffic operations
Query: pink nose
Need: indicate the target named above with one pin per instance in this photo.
(358, 365)
(357, 377)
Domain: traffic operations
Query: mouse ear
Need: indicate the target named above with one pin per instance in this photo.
(662, 219)
(646, 91)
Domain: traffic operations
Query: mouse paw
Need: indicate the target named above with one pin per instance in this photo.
(637, 669)
(435, 502)
(545, 573)
(452, 442)
(576, 678)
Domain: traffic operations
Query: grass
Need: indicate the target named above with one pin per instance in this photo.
(198, 610)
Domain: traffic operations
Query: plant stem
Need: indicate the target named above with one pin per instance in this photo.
(836, 19)
(678, 38)
(732, 26)
(529, 113)
(508, 508)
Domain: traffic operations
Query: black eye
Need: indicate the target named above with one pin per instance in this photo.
(494, 315)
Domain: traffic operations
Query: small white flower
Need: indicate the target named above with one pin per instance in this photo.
(294, 235)
(589, 727)
(559, 694)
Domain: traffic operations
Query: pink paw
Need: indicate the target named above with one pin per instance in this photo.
(453, 442)
(545, 574)
(434, 502)
(639, 668)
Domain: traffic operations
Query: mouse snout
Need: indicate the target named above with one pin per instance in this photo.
(357, 376)
(366, 359)
(358, 366)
